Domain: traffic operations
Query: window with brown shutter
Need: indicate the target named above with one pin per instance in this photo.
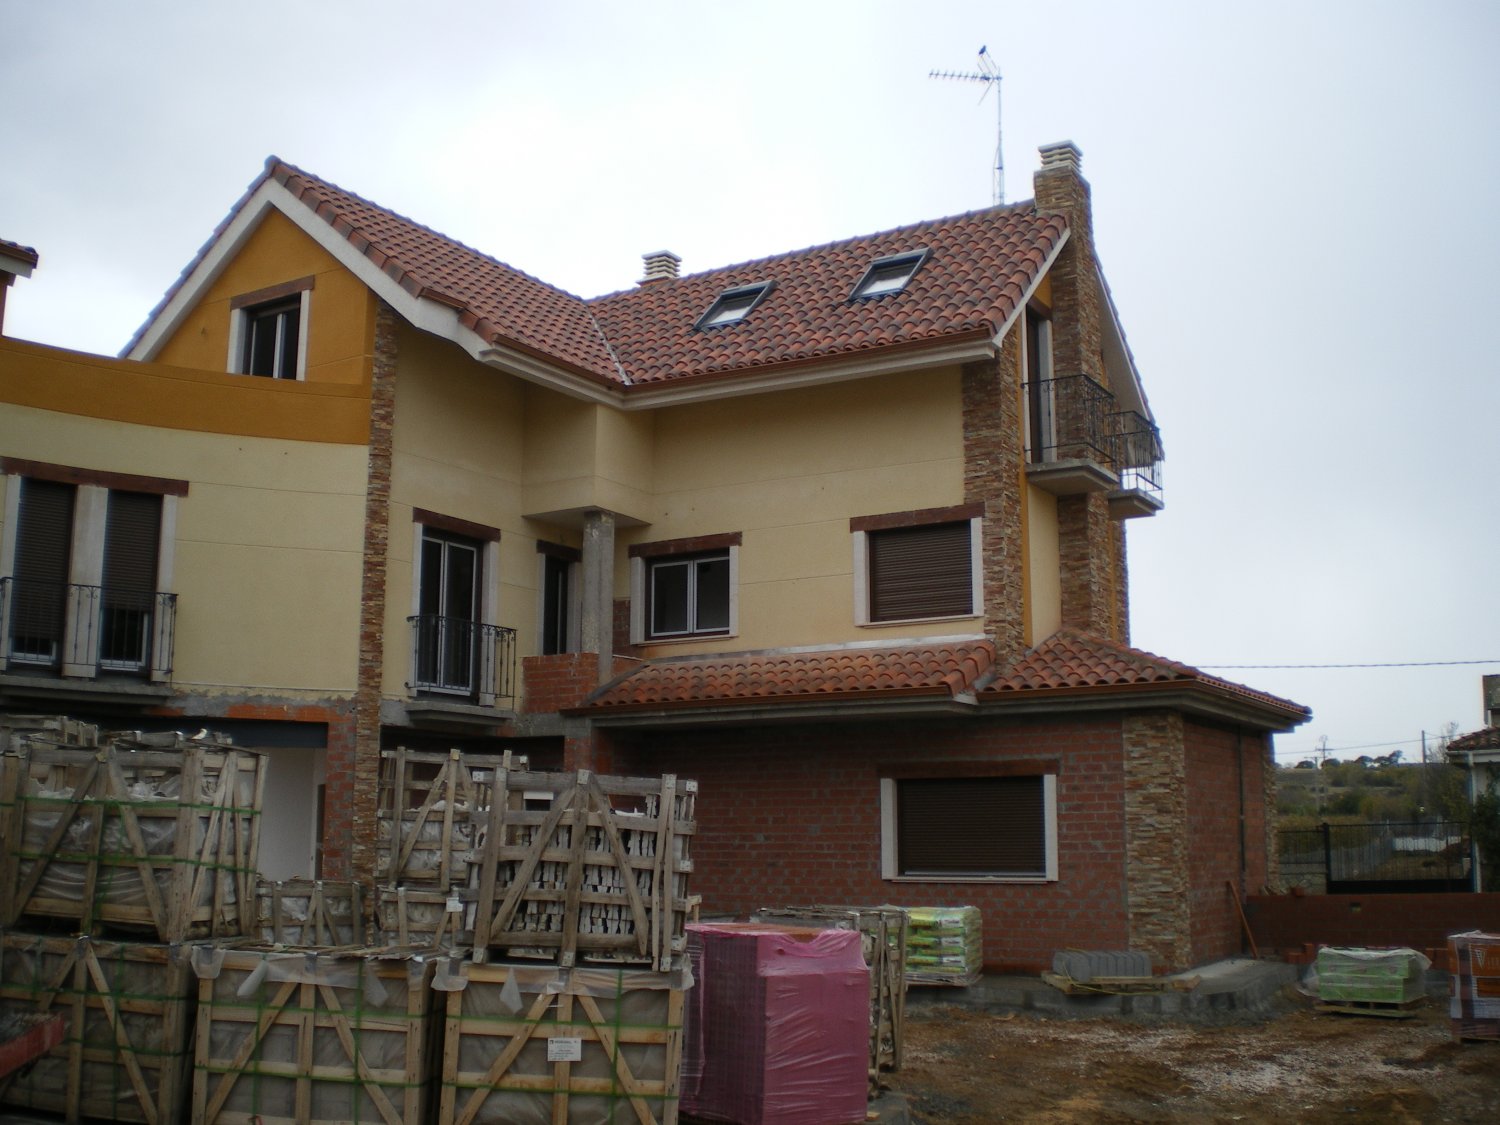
(972, 827)
(918, 572)
(44, 536)
(132, 538)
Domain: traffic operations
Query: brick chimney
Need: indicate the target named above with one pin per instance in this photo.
(15, 261)
(661, 265)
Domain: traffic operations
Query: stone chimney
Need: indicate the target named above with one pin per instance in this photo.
(15, 261)
(661, 265)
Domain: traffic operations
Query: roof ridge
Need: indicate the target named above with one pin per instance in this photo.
(833, 244)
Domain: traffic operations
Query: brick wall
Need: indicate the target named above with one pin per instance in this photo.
(790, 814)
(1421, 921)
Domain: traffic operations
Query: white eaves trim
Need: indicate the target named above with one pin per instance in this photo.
(1036, 283)
(1118, 361)
(17, 267)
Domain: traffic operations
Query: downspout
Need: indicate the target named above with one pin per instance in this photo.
(1239, 758)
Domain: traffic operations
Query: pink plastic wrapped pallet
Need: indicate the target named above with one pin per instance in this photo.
(777, 1027)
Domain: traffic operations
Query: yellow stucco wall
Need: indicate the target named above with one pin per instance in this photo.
(1043, 576)
(341, 316)
(266, 548)
(788, 470)
(584, 455)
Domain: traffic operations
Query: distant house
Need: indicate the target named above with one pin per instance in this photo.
(840, 533)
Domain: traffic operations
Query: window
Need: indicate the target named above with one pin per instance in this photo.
(456, 652)
(83, 560)
(559, 616)
(917, 565)
(888, 275)
(684, 588)
(268, 333)
(1041, 410)
(963, 828)
(733, 305)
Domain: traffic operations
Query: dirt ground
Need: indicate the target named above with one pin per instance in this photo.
(1298, 1065)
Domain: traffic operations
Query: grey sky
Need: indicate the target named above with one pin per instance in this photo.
(1294, 203)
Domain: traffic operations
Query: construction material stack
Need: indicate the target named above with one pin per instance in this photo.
(777, 1026)
(1474, 975)
(121, 853)
(944, 945)
(1384, 982)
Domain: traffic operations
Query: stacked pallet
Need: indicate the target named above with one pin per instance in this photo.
(882, 931)
(1474, 968)
(309, 913)
(120, 851)
(944, 945)
(1377, 982)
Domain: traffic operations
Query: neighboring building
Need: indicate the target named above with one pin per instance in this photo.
(838, 533)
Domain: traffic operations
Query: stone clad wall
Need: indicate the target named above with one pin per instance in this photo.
(1157, 843)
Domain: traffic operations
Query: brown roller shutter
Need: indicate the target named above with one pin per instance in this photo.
(920, 572)
(44, 540)
(972, 826)
(132, 538)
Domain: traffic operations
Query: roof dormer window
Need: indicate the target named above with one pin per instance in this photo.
(888, 275)
(733, 305)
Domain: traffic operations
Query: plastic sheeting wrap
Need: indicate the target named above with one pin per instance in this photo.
(129, 1009)
(311, 1036)
(309, 913)
(1474, 1000)
(431, 919)
(149, 833)
(1370, 976)
(944, 945)
(536, 1044)
(777, 1031)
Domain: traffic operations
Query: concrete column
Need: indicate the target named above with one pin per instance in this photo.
(597, 617)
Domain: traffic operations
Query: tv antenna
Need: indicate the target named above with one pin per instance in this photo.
(988, 75)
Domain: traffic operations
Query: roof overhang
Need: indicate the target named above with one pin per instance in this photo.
(1187, 696)
(791, 710)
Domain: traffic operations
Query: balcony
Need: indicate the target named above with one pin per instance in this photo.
(459, 661)
(1069, 442)
(1137, 458)
(67, 630)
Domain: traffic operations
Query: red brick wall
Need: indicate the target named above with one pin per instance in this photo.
(790, 815)
(553, 683)
(1421, 921)
(1226, 830)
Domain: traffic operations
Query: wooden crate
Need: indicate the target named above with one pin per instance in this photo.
(425, 919)
(152, 834)
(309, 913)
(15, 731)
(128, 1007)
(883, 934)
(537, 1044)
(312, 1037)
(431, 815)
(588, 864)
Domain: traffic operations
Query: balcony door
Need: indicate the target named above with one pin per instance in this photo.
(1041, 408)
(448, 602)
(39, 605)
(127, 602)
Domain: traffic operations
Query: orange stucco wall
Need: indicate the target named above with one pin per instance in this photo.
(341, 321)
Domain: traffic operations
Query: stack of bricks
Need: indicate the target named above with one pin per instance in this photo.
(1474, 972)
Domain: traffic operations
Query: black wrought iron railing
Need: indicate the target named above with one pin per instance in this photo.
(458, 657)
(1136, 453)
(108, 631)
(1373, 857)
(1067, 419)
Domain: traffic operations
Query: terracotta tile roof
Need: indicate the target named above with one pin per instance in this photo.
(1070, 661)
(978, 269)
(942, 670)
(16, 250)
(1486, 739)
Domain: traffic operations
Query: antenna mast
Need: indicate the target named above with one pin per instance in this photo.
(987, 75)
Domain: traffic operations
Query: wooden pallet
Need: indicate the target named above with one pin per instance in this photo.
(309, 913)
(153, 834)
(883, 930)
(431, 815)
(539, 1044)
(1120, 986)
(425, 919)
(587, 864)
(1404, 1010)
(311, 1038)
(128, 1009)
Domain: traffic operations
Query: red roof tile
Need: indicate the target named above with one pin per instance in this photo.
(842, 674)
(979, 267)
(1486, 739)
(1072, 661)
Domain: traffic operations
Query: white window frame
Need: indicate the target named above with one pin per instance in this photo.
(575, 601)
(861, 547)
(489, 596)
(239, 327)
(640, 571)
(890, 869)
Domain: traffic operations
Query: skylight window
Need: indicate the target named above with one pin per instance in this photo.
(733, 305)
(888, 275)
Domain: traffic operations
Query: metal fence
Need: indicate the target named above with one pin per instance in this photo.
(1373, 858)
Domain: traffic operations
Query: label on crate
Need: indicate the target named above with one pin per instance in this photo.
(454, 906)
(565, 1050)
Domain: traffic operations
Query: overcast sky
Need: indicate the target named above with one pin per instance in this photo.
(1294, 205)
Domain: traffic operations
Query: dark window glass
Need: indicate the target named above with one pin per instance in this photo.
(688, 596)
(448, 602)
(271, 339)
(556, 582)
(972, 826)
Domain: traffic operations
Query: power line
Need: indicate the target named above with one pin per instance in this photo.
(1389, 664)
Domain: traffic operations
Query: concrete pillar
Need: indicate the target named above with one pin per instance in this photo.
(597, 614)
